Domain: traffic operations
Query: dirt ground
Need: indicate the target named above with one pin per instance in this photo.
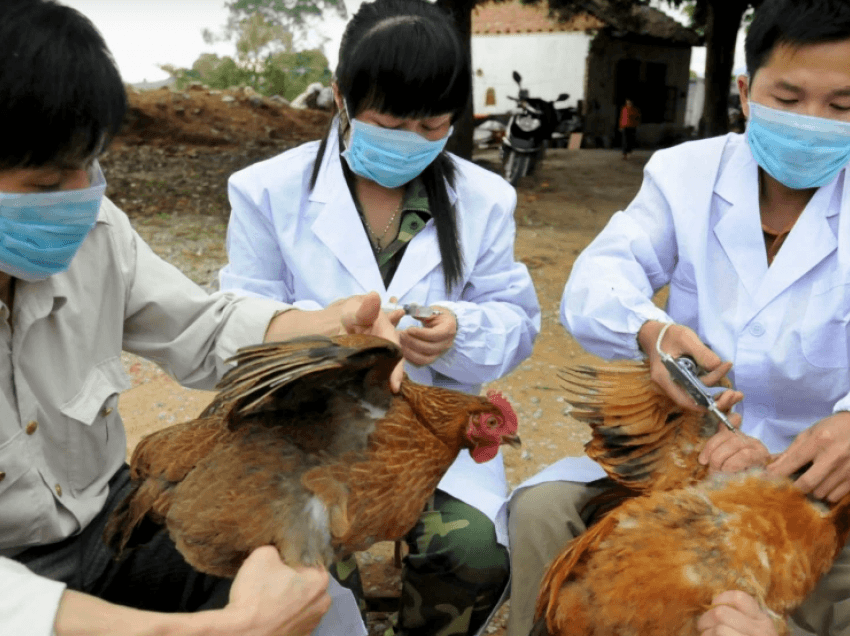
(169, 171)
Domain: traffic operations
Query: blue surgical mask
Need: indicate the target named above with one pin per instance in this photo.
(389, 157)
(41, 232)
(799, 151)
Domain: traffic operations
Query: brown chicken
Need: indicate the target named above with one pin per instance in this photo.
(651, 565)
(304, 448)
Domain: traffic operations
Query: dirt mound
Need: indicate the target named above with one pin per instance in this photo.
(199, 116)
(177, 148)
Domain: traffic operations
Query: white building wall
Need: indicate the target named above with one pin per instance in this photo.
(550, 64)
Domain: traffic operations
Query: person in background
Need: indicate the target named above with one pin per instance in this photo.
(752, 234)
(78, 286)
(629, 121)
(378, 204)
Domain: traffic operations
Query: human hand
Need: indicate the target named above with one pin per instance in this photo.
(423, 345)
(827, 445)
(363, 314)
(270, 598)
(679, 341)
(730, 452)
(735, 613)
(355, 314)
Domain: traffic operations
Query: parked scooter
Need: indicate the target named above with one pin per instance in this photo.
(529, 128)
(569, 121)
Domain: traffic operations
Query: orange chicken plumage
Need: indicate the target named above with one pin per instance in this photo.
(304, 448)
(652, 564)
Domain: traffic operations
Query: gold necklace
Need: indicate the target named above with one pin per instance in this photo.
(377, 239)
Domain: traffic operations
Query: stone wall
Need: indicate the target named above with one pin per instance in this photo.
(654, 74)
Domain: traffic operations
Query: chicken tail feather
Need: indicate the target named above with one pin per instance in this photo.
(570, 560)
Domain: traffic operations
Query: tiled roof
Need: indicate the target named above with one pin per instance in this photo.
(512, 16)
(493, 18)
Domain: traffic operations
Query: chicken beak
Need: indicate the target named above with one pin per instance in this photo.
(512, 440)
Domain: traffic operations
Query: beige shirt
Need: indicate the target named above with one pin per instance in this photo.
(61, 437)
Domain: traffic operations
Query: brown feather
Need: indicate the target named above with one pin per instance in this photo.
(639, 436)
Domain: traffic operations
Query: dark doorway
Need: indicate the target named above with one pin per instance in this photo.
(628, 84)
(654, 93)
(645, 83)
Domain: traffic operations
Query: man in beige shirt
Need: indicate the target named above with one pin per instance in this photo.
(78, 286)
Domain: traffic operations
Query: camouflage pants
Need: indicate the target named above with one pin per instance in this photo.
(453, 575)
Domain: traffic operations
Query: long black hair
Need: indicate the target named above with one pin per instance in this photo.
(795, 23)
(406, 58)
(61, 95)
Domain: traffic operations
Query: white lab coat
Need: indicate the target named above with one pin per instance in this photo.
(695, 224)
(310, 248)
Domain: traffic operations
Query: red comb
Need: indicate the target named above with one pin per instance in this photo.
(499, 401)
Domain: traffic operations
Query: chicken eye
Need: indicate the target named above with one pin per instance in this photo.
(492, 422)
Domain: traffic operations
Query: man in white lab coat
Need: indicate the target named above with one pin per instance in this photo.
(752, 234)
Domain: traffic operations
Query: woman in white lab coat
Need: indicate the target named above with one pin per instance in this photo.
(752, 234)
(379, 205)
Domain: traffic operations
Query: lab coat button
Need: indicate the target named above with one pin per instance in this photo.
(106, 411)
(757, 329)
(31, 427)
(2, 475)
(58, 490)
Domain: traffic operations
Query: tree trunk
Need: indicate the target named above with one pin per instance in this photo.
(461, 141)
(723, 20)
